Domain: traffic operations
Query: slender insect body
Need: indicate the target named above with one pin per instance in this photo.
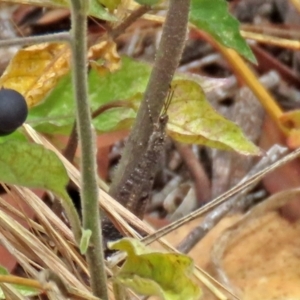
(135, 192)
(137, 188)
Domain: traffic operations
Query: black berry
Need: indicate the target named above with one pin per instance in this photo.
(13, 111)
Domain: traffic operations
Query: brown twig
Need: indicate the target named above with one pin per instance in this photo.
(268, 62)
(201, 181)
(136, 14)
(70, 150)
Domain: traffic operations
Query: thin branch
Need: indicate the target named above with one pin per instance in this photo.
(201, 181)
(89, 187)
(55, 37)
(70, 150)
(115, 32)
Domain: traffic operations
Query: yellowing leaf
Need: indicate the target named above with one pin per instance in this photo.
(154, 273)
(110, 4)
(107, 52)
(291, 120)
(95, 8)
(35, 70)
(85, 240)
(32, 165)
(192, 120)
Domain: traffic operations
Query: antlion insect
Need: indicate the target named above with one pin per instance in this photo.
(136, 191)
(139, 185)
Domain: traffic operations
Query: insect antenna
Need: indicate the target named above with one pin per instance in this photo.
(168, 100)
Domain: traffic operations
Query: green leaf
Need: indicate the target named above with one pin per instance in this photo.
(32, 165)
(56, 114)
(148, 2)
(16, 135)
(22, 289)
(214, 18)
(193, 120)
(60, 2)
(85, 240)
(110, 4)
(154, 273)
(97, 10)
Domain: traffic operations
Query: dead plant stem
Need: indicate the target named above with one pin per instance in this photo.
(55, 37)
(115, 32)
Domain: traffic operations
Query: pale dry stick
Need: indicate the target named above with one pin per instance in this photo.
(31, 241)
(9, 292)
(26, 264)
(271, 40)
(113, 207)
(281, 42)
(51, 223)
(44, 3)
(55, 37)
(219, 212)
(16, 213)
(204, 279)
(108, 204)
(269, 29)
(139, 12)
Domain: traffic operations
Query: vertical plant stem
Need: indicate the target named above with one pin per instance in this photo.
(89, 188)
(167, 59)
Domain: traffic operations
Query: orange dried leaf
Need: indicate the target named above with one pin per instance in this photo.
(291, 121)
(35, 70)
(107, 52)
